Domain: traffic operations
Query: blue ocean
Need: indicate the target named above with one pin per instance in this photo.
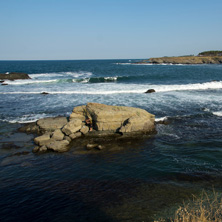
(138, 180)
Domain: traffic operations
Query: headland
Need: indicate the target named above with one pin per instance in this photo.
(207, 57)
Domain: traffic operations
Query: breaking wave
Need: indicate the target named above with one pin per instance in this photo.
(29, 118)
(114, 88)
(219, 113)
(29, 81)
(150, 64)
(196, 86)
(61, 74)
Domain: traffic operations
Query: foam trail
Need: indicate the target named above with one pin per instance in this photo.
(29, 118)
(197, 86)
(31, 81)
(80, 92)
(150, 64)
(161, 119)
(43, 75)
(60, 74)
(219, 113)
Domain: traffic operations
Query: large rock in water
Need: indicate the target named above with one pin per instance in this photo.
(56, 133)
(14, 76)
(116, 118)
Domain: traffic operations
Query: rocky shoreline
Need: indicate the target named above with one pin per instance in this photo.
(187, 60)
(206, 57)
(58, 133)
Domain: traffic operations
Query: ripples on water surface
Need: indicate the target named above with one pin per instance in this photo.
(132, 180)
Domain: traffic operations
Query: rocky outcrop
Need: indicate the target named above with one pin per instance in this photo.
(116, 118)
(14, 76)
(150, 91)
(57, 133)
(187, 60)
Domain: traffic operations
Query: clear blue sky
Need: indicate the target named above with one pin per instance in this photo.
(106, 29)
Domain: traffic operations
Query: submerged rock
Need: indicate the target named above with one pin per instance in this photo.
(30, 128)
(91, 146)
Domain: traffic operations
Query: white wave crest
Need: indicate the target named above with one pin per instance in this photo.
(29, 118)
(44, 75)
(197, 86)
(160, 119)
(102, 92)
(111, 78)
(219, 113)
(120, 63)
(77, 74)
(86, 80)
(29, 81)
(150, 64)
(60, 74)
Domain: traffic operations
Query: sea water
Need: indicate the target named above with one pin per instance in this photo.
(138, 180)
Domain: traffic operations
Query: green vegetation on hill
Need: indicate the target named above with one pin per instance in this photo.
(210, 53)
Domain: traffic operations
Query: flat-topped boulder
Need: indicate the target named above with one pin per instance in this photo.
(51, 123)
(14, 76)
(116, 118)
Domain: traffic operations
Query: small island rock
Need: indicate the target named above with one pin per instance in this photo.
(150, 91)
(14, 76)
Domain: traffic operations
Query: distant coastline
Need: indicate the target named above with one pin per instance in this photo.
(207, 57)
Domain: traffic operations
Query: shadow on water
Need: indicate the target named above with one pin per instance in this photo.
(122, 182)
(88, 200)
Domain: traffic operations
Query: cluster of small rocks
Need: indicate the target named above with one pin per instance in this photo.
(56, 133)
(57, 137)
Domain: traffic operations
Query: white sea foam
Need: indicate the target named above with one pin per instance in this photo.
(101, 88)
(111, 78)
(103, 92)
(29, 81)
(120, 63)
(197, 86)
(219, 113)
(150, 64)
(29, 118)
(44, 75)
(77, 74)
(206, 110)
(61, 74)
(86, 80)
(161, 119)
